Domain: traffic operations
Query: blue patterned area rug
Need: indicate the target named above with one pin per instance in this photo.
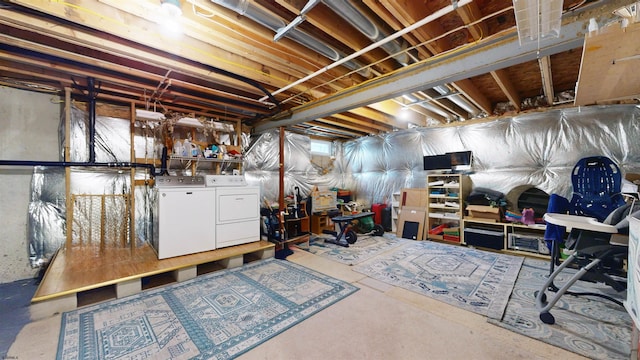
(215, 316)
(474, 280)
(363, 249)
(589, 326)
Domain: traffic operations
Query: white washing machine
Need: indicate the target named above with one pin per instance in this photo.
(184, 223)
(237, 210)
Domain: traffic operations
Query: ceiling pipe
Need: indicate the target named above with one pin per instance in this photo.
(413, 100)
(246, 8)
(447, 9)
(297, 21)
(363, 23)
(458, 100)
(397, 50)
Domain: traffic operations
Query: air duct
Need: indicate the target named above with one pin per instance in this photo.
(458, 100)
(246, 8)
(355, 17)
(413, 100)
(366, 26)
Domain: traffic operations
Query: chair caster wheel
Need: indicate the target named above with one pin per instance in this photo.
(547, 318)
(543, 298)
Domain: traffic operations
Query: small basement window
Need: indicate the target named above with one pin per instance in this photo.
(321, 147)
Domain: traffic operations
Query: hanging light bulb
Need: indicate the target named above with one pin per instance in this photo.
(171, 7)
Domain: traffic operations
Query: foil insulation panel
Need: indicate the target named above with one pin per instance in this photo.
(531, 150)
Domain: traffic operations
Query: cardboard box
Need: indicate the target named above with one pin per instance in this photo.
(411, 223)
(414, 197)
(485, 212)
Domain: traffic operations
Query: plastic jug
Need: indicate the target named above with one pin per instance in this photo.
(186, 147)
(178, 148)
(191, 149)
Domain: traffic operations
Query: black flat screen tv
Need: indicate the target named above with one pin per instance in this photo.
(437, 162)
(461, 160)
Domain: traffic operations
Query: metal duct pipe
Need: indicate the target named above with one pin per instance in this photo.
(352, 15)
(435, 109)
(366, 26)
(245, 8)
(458, 100)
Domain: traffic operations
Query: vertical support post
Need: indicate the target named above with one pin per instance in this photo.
(281, 183)
(67, 170)
(131, 201)
(239, 142)
(91, 94)
(103, 222)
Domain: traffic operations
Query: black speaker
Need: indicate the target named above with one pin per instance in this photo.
(386, 219)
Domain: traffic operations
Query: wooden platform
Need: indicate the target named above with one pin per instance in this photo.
(83, 275)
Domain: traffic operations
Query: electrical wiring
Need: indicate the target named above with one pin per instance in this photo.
(424, 43)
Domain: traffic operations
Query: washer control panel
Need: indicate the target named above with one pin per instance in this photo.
(225, 180)
(180, 181)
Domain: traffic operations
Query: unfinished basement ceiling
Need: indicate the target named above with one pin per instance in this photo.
(464, 63)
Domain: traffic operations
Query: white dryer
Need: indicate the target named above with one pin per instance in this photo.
(237, 210)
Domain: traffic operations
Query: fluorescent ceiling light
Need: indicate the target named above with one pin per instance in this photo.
(217, 125)
(537, 19)
(149, 115)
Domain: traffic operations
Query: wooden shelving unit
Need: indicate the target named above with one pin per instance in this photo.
(321, 222)
(445, 205)
(395, 211)
(525, 239)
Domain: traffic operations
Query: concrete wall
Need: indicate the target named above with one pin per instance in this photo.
(28, 131)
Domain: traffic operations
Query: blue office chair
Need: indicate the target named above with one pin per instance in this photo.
(596, 211)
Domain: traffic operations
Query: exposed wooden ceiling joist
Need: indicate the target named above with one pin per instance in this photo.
(504, 82)
(547, 80)
(461, 65)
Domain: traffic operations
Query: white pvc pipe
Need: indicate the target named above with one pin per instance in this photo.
(445, 10)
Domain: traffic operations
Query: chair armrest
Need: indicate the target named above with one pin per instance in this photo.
(579, 222)
(619, 240)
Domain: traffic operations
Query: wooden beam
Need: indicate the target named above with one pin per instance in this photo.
(396, 25)
(354, 123)
(215, 30)
(333, 25)
(547, 80)
(474, 95)
(393, 108)
(372, 112)
(502, 79)
(119, 23)
(319, 132)
(469, 14)
(339, 126)
(409, 12)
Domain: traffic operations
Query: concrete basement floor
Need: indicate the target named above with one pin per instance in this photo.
(377, 322)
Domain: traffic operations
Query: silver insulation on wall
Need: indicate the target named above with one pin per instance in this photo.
(536, 150)
(531, 150)
(99, 194)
